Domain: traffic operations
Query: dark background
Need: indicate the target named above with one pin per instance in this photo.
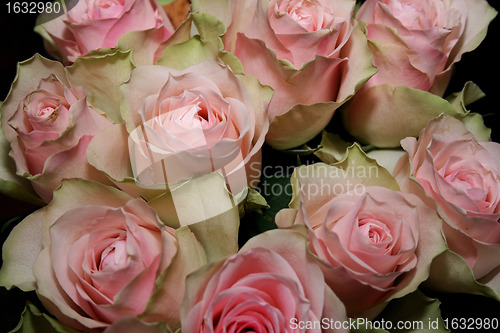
(481, 66)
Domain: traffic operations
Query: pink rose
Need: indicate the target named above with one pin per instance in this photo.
(462, 176)
(289, 25)
(183, 123)
(374, 243)
(95, 24)
(95, 256)
(49, 126)
(271, 285)
(309, 52)
(415, 45)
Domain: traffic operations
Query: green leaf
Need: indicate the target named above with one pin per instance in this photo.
(416, 312)
(34, 321)
(101, 76)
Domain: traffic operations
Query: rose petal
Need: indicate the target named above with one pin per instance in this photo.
(20, 251)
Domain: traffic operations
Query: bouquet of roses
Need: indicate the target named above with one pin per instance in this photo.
(249, 166)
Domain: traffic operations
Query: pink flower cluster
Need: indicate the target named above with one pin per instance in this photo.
(143, 144)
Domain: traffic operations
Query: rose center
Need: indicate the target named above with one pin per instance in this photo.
(376, 233)
(114, 256)
(106, 3)
(307, 13)
(203, 114)
(301, 14)
(46, 111)
(189, 117)
(41, 109)
(106, 8)
(471, 183)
